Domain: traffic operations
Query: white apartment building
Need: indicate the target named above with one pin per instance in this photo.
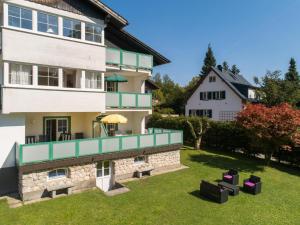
(64, 65)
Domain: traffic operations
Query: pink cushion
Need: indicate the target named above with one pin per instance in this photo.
(250, 184)
(228, 176)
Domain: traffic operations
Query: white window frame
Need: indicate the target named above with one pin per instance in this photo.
(58, 177)
(20, 66)
(47, 23)
(20, 18)
(72, 25)
(103, 168)
(94, 26)
(94, 79)
(48, 76)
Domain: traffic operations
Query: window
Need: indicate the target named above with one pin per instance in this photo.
(93, 80)
(47, 76)
(72, 28)
(93, 33)
(70, 78)
(203, 95)
(20, 74)
(222, 95)
(58, 173)
(47, 23)
(62, 125)
(201, 112)
(19, 17)
(212, 79)
(209, 95)
(111, 86)
(103, 169)
(140, 159)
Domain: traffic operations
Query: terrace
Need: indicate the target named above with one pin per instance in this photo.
(56, 150)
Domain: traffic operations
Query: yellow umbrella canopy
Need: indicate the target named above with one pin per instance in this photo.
(114, 118)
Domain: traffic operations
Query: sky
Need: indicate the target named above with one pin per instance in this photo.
(256, 35)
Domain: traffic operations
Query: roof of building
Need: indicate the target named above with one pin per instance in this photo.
(236, 82)
(150, 84)
(133, 43)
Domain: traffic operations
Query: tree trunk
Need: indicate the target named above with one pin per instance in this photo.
(198, 143)
(268, 157)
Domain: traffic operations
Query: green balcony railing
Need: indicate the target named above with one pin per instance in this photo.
(124, 58)
(49, 151)
(128, 100)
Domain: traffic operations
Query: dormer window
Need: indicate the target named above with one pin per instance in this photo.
(212, 79)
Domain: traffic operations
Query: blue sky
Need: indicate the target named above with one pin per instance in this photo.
(257, 35)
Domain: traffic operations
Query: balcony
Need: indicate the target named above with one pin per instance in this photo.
(123, 100)
(125, 59)
(50, 151)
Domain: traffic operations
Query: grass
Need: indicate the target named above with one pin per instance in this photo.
(173, 198)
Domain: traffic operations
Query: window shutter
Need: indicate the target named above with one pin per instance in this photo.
(201, 95)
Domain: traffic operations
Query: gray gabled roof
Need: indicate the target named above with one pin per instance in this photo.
(235, 82)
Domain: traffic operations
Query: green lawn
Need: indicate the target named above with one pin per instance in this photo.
(173, 199)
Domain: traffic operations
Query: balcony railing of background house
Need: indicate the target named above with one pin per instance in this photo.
(121, 58)
(128, 100)
(49, 151)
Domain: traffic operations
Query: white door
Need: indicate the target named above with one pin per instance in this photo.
(104, 180)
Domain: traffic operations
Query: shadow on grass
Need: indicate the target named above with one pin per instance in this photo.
(227, 160)
(224, 162)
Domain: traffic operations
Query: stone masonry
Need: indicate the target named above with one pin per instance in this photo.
(125, 168)
(33, 185)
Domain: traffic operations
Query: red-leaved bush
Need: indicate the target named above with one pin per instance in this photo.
(272, 126)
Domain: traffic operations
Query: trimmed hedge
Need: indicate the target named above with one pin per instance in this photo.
(224, 136)
(177, 123)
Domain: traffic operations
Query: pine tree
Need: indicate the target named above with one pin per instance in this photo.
(225, 66)
(209, 61)
(292, 74)
(235, 70)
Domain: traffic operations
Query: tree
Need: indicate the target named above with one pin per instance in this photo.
(198, 133)
(225, 66)
(272, 127)
(209, 61)
(292, 74)
(274, 90)
(235, 70)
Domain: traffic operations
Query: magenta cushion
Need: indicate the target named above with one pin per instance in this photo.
(228, 176)
(250, 184)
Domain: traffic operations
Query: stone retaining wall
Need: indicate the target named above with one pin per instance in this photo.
(33, 185)
(125, 168)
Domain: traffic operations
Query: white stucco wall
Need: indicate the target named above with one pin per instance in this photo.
(43, 100)
(232, 102)
(52, 51)
(12, 130)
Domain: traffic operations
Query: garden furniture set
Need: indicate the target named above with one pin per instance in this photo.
(229, 185)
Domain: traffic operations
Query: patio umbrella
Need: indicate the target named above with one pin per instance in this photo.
(114, 118)
(116, 78)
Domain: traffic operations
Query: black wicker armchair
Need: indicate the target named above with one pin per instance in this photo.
(252, 185)
(213, 192)
(231, 177)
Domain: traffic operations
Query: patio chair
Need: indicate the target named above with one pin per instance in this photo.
(30, 139)
(252, 185)
(213, 192)
(231, 177)
(65, 137)
(79, 136)
(43, 138)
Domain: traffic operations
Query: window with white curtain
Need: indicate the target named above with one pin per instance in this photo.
(47, 23)
(93, 80)
(20, 74)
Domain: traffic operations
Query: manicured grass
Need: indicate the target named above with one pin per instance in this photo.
(174, 198)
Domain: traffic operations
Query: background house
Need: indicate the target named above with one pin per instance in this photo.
(220, 95)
